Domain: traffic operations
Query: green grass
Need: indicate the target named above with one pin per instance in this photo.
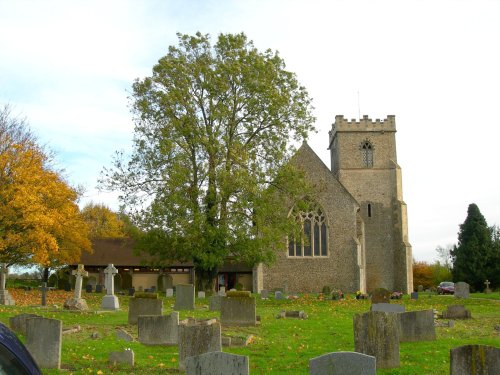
(281, 346)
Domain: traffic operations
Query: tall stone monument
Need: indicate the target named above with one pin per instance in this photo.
(110, 301)
(5, 297)
(77, 302)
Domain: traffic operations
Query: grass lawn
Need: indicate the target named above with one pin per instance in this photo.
(281, 346)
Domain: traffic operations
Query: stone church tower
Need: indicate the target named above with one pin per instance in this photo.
(363, 159)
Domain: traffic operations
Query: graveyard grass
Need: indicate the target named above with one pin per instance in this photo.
(280, 346)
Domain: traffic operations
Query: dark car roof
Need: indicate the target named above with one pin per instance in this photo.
(13, 345)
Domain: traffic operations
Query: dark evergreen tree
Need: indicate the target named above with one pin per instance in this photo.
(474, 253)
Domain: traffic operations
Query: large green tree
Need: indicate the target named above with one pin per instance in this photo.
(209, 175)
(472, 257)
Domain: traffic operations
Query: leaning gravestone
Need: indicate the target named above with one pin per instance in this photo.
(198, 337)
(77, 302)
(110, 301)
(381, 295)
(5, 297)
(158, 329)
(417, 326)
(184, 297)
(144, 305)
(238, 309)
(43, 340)
(462, 290)
(18, 323)
(388, 307)
(456, 312)
(475, 359)
(377, 333)
(216, 363)
(345, 363)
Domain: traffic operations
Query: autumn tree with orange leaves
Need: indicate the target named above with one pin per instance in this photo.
(40, 222)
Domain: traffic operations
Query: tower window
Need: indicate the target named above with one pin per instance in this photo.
(314, 235)
(367, 154)
(369, 210)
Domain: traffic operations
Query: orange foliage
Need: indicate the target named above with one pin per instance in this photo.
(423, 274)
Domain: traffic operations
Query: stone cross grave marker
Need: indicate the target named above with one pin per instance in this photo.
(80, 273)
(5, 297)
(110, 301)
(487, 290)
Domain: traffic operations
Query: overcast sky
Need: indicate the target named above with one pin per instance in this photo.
(68, 67)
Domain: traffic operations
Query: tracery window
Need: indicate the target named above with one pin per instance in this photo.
(367, 154)
(314, 239)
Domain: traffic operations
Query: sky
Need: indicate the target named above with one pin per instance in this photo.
(68, 66)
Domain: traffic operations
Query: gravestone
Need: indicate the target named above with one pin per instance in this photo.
(291, 314)
(420, 288)
(487, 290)
(124, 335)
(417, 326)
(462, 290)
(44, 290)
(381, 295)
(5, 297)
(345, 363)
(215, 363)
(377, 334)
(89, 288)
(475, 359)
(198, 337)
(201, 294)
(388, 307)
(43, 341)
(18, 323)
(456, 312)
(184, 297)
(125, 357)
(264, 294)
(98, 288)
(215, 302)
(110, 301)
(170, 292)
(238, 309)
(278, 295)
(222, 291)
(143, 306)
(131, 291)
(77, 302)
(414, 295)
(158, 330)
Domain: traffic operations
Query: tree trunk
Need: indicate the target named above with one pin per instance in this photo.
(205, 279)
(45, 277)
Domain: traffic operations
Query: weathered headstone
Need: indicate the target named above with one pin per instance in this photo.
(291, 314)
(131, 291)
(417, 326)
(462, 290)
(420, 288)
(278, 295)
(238, 309)
(475, 359)
(125, 357)
(44, 341)
(381, 295)
(222, 291)
(5, 297)
(216, 363)
(18, 323)
(345, 363)
(215, 302)
(264, 294)
(377, 334)
(99, 288)
(110, 301)
(169, 292)
(184, 297)
(143, 306)
(198, 337)
(487, 290)
(456, 312)
(388, 307)
(158, 330)
(89, 288)
(201, 294)
(414, 295)
(124, 335)
(77, 302)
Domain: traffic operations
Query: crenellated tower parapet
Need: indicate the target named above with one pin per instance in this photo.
(364, 124)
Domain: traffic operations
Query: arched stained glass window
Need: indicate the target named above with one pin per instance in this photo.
(314, 241)
(367, 154)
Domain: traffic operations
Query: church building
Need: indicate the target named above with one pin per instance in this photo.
(355, 233)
